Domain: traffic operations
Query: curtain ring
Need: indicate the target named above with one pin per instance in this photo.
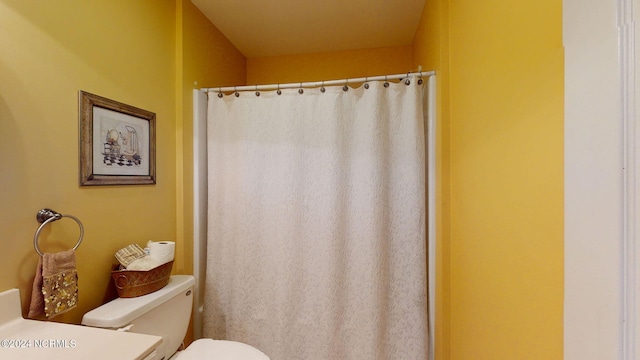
(366, 83)
(407, 81)
(322, 89)
(300, 91)
(345, 87)
(386, 83)
(279, 92)
(220, 93)
(257, 92)
(235, 89)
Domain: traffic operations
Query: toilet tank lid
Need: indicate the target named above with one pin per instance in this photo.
(122, 311)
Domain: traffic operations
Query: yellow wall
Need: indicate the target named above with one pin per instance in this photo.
(431, 50)
(123, 50)
(500, 66)
(49, 51)
(329, 66)
(205, 59)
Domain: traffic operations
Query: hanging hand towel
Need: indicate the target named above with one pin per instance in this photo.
(55, 287)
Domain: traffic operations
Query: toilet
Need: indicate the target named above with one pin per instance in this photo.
(166, 313)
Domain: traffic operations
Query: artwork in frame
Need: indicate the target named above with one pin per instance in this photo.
(117, 142)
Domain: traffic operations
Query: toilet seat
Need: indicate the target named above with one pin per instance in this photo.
(204, 349)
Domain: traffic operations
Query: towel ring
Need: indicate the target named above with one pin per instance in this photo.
(46, 216)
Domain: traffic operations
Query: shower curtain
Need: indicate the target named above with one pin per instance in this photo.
(316, 222)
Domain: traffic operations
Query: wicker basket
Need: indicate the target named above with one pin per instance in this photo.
(134, 283)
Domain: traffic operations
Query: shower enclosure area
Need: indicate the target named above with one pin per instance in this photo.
(273, 154)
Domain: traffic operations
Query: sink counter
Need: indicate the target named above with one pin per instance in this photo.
(22, 339)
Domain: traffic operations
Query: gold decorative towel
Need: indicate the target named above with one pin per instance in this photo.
(129, 254)
(55, 287)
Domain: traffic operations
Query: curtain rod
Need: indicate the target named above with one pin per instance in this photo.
(316, 83)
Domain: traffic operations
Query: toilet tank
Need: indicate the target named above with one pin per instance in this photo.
(165, 313)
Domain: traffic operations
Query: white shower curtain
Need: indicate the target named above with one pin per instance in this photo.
(316, 231)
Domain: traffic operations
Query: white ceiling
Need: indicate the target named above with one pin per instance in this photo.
(260, 28)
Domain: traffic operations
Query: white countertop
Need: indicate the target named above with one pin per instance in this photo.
(22, 339)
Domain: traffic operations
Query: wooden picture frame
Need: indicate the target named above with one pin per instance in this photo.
(117, 142)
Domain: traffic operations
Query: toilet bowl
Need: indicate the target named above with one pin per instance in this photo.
(166, 313)
(222, 349)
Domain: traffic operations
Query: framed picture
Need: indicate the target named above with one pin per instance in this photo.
(117, 142)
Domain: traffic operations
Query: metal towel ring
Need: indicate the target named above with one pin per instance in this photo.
(46, 216)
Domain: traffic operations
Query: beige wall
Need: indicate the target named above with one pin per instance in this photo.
(600, 313)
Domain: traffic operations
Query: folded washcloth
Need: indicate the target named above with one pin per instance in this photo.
(129, 254)
(55, 286)
(144, 264)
